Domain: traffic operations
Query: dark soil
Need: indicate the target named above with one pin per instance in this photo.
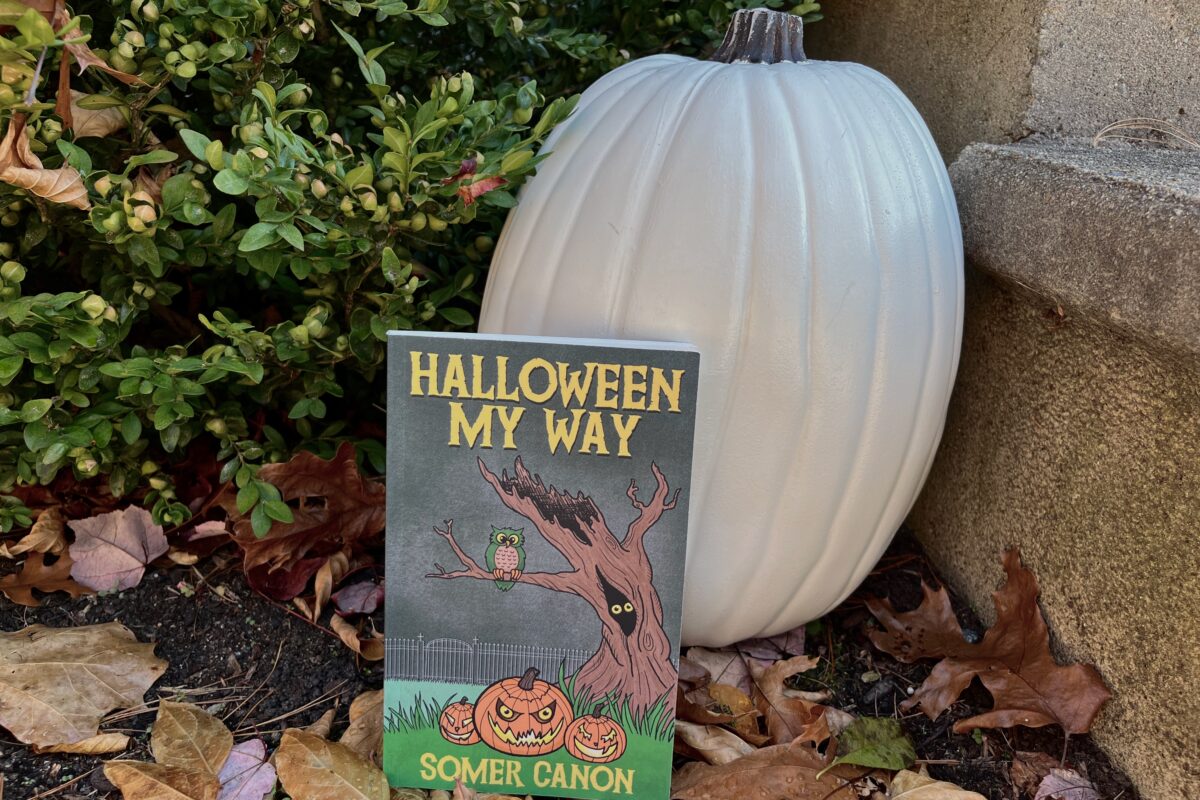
(262, 669)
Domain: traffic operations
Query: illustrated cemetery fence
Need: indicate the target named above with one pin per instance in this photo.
(458, 661)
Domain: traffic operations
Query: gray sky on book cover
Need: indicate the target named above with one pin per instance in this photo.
(430, 482)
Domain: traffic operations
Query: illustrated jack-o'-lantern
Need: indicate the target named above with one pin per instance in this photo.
(596, 739)
(457, 723)
(523, 716)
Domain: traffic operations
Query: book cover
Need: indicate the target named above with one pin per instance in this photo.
(537, 522)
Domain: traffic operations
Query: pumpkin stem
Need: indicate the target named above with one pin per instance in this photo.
(762, 36)
(526, 682)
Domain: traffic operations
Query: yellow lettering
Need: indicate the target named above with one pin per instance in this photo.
(525, 380)
(579, 777)
(420, 373)
(510, 417)
(607, 384)
(625, 426)
(495, 770)
(502, 390)
(456, 377)
(602, 778)
(459, 426)
(541, 778)
(445, 765)
(513, 776)
(559, 781)
(428, 766)
(473, 773)
(659, 386)
(477, 390)
(624, 782)
(557, 432)
(635, 381)
(571, 387)
(593, 435)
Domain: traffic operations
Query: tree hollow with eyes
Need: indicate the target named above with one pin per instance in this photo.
(612, 574)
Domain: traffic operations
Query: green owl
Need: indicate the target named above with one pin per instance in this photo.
(506, 556)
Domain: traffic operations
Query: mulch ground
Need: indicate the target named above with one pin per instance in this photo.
(263, 669)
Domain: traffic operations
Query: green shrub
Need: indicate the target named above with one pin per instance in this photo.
(280, 184)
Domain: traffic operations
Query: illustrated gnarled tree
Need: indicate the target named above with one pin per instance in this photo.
(613, 575)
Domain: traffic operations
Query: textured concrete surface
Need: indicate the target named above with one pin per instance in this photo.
(994, 72)
(1082, 448)
(1112, 232)
(1100, 61)
(965, 65)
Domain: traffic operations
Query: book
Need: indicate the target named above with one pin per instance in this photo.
(537, 524)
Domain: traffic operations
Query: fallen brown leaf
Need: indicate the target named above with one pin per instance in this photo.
(188, 737)
(328, 574)
(1066, 784)
(778, 771)
(57, 683)
(46, 536)
(247, 775)
(141, 781)
(789, 715)
(370, 647)
(98, 745)
(20, 167)
(35, 574)
(94, 122)
(909, 785)
(323, 725)
(364, 735)
(338, 508)
(111, 550)
(1013, 661)
(1028, 768)
(716, 745)
(745, 714)
(723, 666)
(311, 768)
(358, 598)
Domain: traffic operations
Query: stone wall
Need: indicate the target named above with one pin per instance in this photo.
(1074, 430)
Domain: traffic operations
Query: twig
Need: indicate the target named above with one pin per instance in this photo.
(1162, 126)
(251, 729)
(62, 786)
(31, 95)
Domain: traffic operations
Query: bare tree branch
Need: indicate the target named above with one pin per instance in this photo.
(649, 513)
(554, 581)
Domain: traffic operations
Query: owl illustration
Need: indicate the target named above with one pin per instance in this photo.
(506, 556)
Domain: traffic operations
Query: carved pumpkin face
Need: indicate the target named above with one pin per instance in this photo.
(523, 716)
(596, 738)
(457, 723)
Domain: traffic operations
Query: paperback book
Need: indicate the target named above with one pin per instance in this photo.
(537, 522)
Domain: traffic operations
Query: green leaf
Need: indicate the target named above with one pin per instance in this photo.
(131, 428)
(36, 30)
(195, 142)
(877, 742)
(258, 236)
(34, 410)
(153, 157)
(260, 522)
(456, 316)
(247, 496)
(278, 511)
(291, 234)
(230, 182)
(9, 367)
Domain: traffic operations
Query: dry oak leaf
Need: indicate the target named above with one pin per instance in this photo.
(98, 745)
(138, 780)
(57, 683)
(1066, 784)
(188, 737)
(368, 647)
(338, 507)
(1028, 768)
(247, 775)
(311, 768)
(323, 725)
(111, 550)
(789, 715)
(909, 785)
(779, 771)
(20, 167)
(95, 122)
(46, 536)
(1013, 661)
(35, 574)
(716, 745)
(364, 735)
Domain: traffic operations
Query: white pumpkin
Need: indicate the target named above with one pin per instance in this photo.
(794, 221)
